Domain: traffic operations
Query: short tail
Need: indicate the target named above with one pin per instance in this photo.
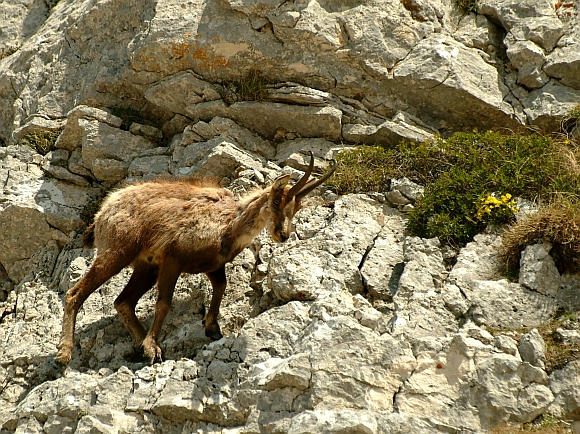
(89, 236)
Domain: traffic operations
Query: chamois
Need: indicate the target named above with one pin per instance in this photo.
(168, 226)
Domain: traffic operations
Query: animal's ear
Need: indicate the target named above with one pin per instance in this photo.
(280, 182)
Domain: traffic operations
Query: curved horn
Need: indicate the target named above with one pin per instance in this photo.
(316, 182)
(302, 181)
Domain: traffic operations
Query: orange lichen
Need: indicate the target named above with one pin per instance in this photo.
(181, 55)
(208, 60)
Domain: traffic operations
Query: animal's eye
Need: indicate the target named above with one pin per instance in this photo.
(276, 201)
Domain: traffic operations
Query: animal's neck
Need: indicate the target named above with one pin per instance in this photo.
(251, 219)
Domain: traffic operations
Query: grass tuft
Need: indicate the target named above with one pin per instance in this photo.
(557, 223)
(250, 87)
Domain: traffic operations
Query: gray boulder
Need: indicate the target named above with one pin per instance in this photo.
(565, 386)
(532, 348)
(538, 271)
(441, 72)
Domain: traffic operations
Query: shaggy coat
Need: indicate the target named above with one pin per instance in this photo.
(168, 226)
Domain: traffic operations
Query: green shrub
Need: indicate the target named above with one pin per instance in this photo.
(459, 173)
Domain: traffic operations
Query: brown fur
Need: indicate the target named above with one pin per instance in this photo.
(168, 226)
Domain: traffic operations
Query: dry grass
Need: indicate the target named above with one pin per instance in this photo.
(557, 353)
(558, 223)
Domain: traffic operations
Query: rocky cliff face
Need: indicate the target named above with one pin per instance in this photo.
(352, 325)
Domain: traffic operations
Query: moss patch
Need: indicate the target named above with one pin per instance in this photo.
(41, 141)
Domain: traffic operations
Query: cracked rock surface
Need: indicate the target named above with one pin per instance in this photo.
(350, 326)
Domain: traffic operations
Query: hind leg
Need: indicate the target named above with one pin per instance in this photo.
(142, 280)
(106, 265)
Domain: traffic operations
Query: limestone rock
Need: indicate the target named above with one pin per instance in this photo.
(476, 30)
(37, 124)
(506, 344)
(243, 137)
(565, 386)
(25, 230)
(478, 260)
(149, 166)
(568, 337)
(532, 348)
(217, 157)
(267, 119)
(564, 64)
(454, 300)
(350, 326)
(420, 308)
(296, 94)
(528, 20)
(178, 91)
(568, 297)
(293, 153)
(151, 133)
(20, 19)
(72, 136)
(538, 271)
(58, 170)
(35, 209)
(442, 72)
(528, 58)
(527, 396)
(383, 266)
(545, 107)
(500, 303)
(389, 133)
(101, 141)
(329, 260)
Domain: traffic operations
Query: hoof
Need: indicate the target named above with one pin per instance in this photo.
(63, 357)
(152, 351)
(156, 359)
(213, 332)
(53, 368)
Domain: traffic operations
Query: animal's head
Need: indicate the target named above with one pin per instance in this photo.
(285, 201)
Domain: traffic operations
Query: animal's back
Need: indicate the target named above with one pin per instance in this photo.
(152, 215)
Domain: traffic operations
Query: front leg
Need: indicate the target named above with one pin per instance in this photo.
(169, 272)
(218, 282)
